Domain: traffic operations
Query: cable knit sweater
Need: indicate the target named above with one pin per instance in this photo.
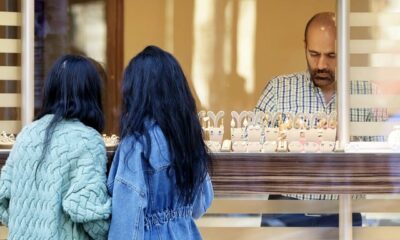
(66, 196)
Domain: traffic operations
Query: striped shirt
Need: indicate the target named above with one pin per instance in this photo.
(297, 93)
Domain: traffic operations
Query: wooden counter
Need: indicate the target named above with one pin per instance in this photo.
(341, 173)
(237, 177)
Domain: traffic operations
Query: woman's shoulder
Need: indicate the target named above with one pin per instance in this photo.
(75, 133)
(152, 130)
(73, 127)
(159, 150)
(67, 127)
(78, 139)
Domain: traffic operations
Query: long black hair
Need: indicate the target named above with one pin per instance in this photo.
(72, 91)
(155, 88)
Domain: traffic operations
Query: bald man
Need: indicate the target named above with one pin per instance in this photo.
(314, 90)
(310, 92)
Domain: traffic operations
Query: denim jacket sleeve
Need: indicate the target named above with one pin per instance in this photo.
(204, 198)
(128, 198)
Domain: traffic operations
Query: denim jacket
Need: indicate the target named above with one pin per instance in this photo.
(145, 196)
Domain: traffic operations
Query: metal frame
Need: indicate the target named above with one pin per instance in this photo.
(27, 61)
(342, 76)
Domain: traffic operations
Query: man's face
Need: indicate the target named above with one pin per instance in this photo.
(321, 56)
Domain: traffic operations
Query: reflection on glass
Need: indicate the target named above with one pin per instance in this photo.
(246, 42)
(169, 25)
(376, 63)
(89, 29)
(390, 89)
(227, 48)
(203, 47)
(67, 26)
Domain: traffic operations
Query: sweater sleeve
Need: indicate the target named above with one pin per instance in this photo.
(5, 189)
(86, 201)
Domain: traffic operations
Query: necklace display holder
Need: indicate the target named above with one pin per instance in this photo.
(311, 133)
(6, 140)
(271, 132)
(111, 142)
(292, 133)
(282, 143)
(238, 131)
(254, 132)
(328, 128)
(215, 130)
(296, 134)
(271, 128)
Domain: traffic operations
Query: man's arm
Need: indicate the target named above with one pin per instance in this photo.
(267, 101)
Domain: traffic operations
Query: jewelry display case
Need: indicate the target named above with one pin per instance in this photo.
(353, 150)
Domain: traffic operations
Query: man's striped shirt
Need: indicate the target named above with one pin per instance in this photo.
(297, 93)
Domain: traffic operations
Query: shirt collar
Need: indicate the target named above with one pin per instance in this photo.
(318, 90)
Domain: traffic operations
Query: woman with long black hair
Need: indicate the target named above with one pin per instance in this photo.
(53, 185)
(159, 176)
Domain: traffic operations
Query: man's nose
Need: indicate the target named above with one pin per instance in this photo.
(322, 63)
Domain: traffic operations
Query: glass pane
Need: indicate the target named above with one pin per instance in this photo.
(10, 71)
(228, 49)
(374, 70)
(375, 85)
(67, 26)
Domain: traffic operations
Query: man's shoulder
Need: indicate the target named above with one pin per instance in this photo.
(75, 135)
(363, 87)
(286, 78)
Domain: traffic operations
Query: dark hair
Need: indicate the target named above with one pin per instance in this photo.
(72, 91)
(155, 88)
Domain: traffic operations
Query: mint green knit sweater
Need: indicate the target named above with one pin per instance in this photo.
(69, 199)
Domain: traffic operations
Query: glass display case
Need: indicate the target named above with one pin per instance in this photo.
(228, 50)
(373, 68)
